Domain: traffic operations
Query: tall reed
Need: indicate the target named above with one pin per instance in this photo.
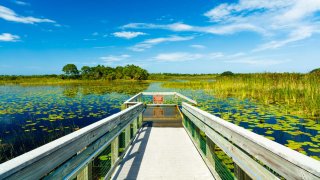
(298, 93)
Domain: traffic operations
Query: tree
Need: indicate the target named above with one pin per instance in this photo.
(315, 71)
(70, 70)
(227, 73)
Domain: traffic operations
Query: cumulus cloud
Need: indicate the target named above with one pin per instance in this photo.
(149, 43)
(128, 34)
(9, 15)
(280, 21)
(284, 21)
(7, 37)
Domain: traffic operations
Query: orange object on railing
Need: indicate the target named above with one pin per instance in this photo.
(157, 99)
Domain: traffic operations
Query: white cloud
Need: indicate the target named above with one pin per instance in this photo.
(22, 3)
(257, 62)
(177, 57)
(285, 21)
(296, 35)
(10, 15)
(9, 37)
(186, 56)
(198, 46)
(279, 21)
(149, 43)
(128, 34)
(215, 29)
(111, 58)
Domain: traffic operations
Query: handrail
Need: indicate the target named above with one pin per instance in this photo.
(282, 160)
(42, 160)
(139, 95)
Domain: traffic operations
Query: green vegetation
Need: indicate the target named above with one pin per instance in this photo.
(87, 74)
(227, 73)
(129, 72)
(71, 70)
(297, 94)
(315, 71)
(176, 76)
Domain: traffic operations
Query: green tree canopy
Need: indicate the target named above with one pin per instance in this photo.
(70, 70)
(109, 73)
(315, 71)
(227, 73)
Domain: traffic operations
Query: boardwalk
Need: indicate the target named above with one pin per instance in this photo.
(162, 153)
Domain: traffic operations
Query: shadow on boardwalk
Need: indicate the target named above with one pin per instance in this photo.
(135, 154)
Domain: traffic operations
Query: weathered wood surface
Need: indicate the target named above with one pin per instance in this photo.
(160, 154)
(251, 167)
(38, 162)
(158, 93)
(133, 98)
(286, 162)
(74, 165)
(186, 98)
(169, 94)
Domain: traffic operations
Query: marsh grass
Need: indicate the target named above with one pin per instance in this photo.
(26, 81)
(297, 94)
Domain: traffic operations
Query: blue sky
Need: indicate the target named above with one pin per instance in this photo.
(184, 36)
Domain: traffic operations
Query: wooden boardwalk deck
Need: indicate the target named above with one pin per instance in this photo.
(162, 153)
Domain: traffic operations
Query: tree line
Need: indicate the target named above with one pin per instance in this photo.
(130, 72)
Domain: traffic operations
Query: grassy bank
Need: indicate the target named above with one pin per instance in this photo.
(43, 80)
(298, 94)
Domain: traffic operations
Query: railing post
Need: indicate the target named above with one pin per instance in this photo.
(140, 120)
(140, 98)
(135, 126)
(197, 136)
(240, 174)
(127, 135)
(210, 151)
(86, 173)
(114, 150)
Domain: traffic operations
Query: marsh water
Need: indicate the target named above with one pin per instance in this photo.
(31, 116)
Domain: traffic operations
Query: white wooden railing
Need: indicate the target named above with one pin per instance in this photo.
(53, 161)
(257, 156)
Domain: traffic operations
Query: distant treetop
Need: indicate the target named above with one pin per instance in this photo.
(70, 70)
(315, 71)
(104, 72)
(227, 73)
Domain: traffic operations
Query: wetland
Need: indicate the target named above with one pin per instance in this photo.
(32, 115)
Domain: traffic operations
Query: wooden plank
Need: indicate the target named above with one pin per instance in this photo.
(135, 126)
(72, 166)
(161, 105)
(286, 162)
(114, 150)
(252, 167)
(38, 162)
(186, 98)
(158, 93)
(255, 169)
(127, 135)
(134, 98)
